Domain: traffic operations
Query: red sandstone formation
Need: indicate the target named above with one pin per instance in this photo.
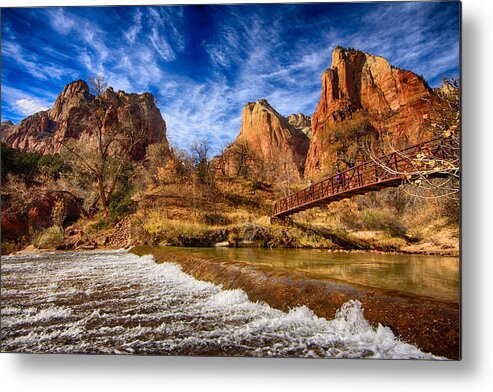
(271, 137)
(395, 101)
(16, 220)
(7, 129)
(73, 115)
(301, 122)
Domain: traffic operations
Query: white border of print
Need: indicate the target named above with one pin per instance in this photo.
(93, 373)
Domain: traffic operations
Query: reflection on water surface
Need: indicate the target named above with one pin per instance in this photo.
(431, 276)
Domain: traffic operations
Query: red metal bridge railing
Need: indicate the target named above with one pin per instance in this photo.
(395, 166)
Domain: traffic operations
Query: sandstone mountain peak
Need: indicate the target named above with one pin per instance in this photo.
(301, 122)
(262, 103)
(446, 88)
(271, 137)
(392, 99)
(73, 94)
(72, 116)
(6, 130)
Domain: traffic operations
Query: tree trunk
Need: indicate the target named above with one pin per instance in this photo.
(102, 196)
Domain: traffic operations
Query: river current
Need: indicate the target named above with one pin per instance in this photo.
(119, 303)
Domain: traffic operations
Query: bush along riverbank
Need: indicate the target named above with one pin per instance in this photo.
(174, 201)
(153, 228)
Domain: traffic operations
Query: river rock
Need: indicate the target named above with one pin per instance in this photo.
(224, 244)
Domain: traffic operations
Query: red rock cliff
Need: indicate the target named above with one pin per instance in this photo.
(72, 116)
(395, 101)
(271, 137)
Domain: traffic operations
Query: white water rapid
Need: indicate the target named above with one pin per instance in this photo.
(117, 302)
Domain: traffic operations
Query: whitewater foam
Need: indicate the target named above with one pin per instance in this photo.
(116, 302)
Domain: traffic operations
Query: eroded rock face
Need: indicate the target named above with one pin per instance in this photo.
(6, 129)
(73, 115)
(16, 220)
(301, 122)
(395, 101)
(271, 137)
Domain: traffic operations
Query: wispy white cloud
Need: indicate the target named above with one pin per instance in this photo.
(218, 55)
(226, 50)
(32, 63)
(60, 21)
(161, 45)
(93, 52)
(164, 34)
(28, 106)
(25, 102)
(135, 29)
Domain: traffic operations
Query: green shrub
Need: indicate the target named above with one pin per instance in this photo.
(18, 162)
(119, 208)
(100, 224)
(28, 164)
(53, 165)
(121, 203)
(49, 238)
(9, 247)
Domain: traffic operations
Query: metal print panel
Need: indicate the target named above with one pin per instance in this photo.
(266, 180)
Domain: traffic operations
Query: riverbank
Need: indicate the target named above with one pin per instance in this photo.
(240, 218)
(431, 324)
(244, 236)
(153, 229)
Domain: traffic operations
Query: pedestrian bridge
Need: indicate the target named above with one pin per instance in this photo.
(390, 170)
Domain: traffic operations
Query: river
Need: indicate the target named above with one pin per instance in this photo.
(119, 302)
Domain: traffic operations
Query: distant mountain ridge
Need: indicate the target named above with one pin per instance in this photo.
(301, 122)
(73, 115)
(394, 101)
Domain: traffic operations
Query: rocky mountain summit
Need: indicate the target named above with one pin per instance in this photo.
(271, 137)
(74, 115)
(301, 122)
(394, 100)
(358, 85)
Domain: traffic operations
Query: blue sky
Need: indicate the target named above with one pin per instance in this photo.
(203, 63)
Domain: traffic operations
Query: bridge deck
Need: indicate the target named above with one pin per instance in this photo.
(389, 170)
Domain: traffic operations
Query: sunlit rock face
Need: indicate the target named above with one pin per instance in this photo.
(74, 115)
(394, 100)
(301, 122)
(271, 137)
(6, 129)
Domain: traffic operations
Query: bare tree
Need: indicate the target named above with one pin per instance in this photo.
(204, 182)
(97, 85)
(242, 158)
(200, 150)
(435, 170)
(280, 170)
(103, 154)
